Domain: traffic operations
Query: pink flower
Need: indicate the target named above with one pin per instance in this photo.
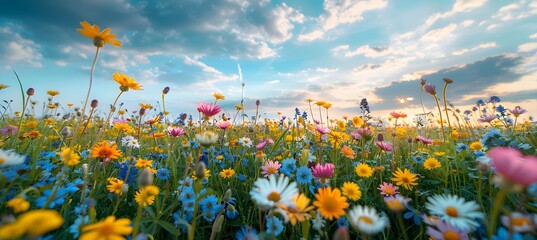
(355, 135)
(364, 132)
(424, 140)
(223, 124)
(323, 170)
(208, 109)
(517, 111)
(398, 114)
(270, 167)
(429, 88)
(175, 131)
(261, 145)
(388, 189)
(384, 146)
(442, 228)
(512, 165)
(486, 118)
(322, 130)
(9, 130)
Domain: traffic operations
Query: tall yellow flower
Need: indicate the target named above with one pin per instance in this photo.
(363, 170)
(107, 229)
(53, 93)
(330, 203)
(405, 178)
(3, 86)
(18, 204)
(146, 195)
(99, 38)
(126, 83)
(115, 185)
(431, 163)
(300, 212)
(357, 121)
(219, 96)
(69, 157)
(33, 223)
(351, 190)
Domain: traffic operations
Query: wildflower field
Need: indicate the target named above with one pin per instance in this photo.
(450, 174)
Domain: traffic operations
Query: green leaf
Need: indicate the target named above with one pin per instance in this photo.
(169, 228)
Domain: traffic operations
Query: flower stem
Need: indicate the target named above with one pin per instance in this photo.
(498, 202)
(441, 120)
(445, 106)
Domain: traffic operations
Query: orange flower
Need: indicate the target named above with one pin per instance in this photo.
(330, 203)
(126, 82)
(103, 150)
(347, 152)
(99, 38)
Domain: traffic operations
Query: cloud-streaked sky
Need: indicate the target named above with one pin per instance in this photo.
(339, 51)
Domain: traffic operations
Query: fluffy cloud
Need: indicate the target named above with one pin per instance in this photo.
(458, 7)
(439, 34)
(480, 46)
(17, 49)
(527, 47)
(365, 50)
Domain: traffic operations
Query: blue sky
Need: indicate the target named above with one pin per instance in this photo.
(339, 51)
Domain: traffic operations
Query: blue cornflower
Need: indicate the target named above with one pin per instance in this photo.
(246, 232)
(75, 227)
(47, 155)
(85, 154)
(274, 225)
(479, 153)
(187, 216)
(502, 234)
(231, 212)
(303, 175)
(462, 147)
(163, 174)
(241, 177)
(494, 99)
(467, 112)
(500, 109)
(210, 207)
(288, 166)
(187, 197)
(124, 169)
(45, 165)
(480, 102)
(418, 159)
(244, 162)
(412, 214)
(343, 222)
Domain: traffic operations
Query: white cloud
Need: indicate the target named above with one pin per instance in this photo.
(533, 36)
(439, 34)
(312, 36)
(480, 46)
(416, 75)
(347, 11)
(61, 63)
(527, 47)
(326, 70)
(18, 49)
(491, 26)
(274, 82)
(365, 50)
(210, 75)
(458, 7)
(467, 23)
(518, 10)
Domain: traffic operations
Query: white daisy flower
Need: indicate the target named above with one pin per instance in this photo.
(10, 158)
(207, 138)
(130, 141)
(245, 141)
(271, 192)
(455, 211)
(366, 220)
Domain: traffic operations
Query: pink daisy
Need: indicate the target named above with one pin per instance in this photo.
(388, 189)
(511, 164)
(323, 171)
(175, 131)
(270, 167)
(424, 140)
(208, 109)
(384, 146)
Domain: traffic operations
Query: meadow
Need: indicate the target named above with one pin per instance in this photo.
(68, 173)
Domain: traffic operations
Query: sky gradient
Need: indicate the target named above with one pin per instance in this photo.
(339, 51)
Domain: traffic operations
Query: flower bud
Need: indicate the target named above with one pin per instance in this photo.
(85, 168)
(166, 90)
(227, 196)
(66, 131)
(142, 111)
(94, 103)
(257, 102)
(30, 91)
(380, 137)
(200, 170)
(217, 225)
(145, 178)
(448, 81)
(342, 233)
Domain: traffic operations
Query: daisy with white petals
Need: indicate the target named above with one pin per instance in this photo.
(367, 221)
(10, 158)
(455, 210)
(274, 191)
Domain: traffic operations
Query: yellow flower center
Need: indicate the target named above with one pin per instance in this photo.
(389, 191)
(271, 170)
(274, 196)
(519, 222)
(452, 212)
(450, 235)
(106, 229)
(365, 219)
(405, 179)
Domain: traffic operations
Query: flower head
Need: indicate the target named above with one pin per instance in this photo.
(270, 167)
(175, 131)
(99, 38)
(227, 173)
(109, 228)
(455, 211)
(275, 191)
(398, 114)
(367, 221)
(446, 231)
(18, 204)
(431, 163)
(103, 150)
(384, 146)
(207, 138)
(363, 170)
(34, 223)
(429, 88)
(146, 196)
(300, 212)
(115, 186)
(69, 157)
(10, 158)
(388, 189)
(405, 178)
(323, 171)
(517, 111)
(125, 82)
(396, 203)
(219, 96)
(512, 165)
(208, 109)
(351, 190)
(519, 222)
(347, 152)
(330, 203)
